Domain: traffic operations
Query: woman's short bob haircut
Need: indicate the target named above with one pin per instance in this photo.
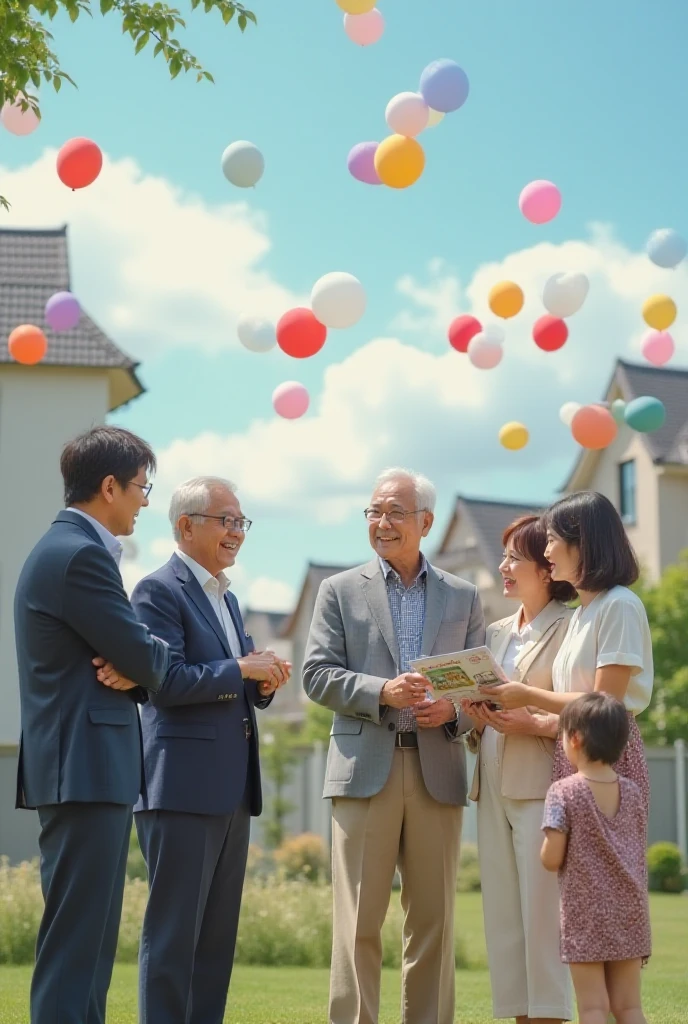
(528, 537)
(589, 521)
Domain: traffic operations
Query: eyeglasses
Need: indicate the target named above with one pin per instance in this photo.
(146, 488)
(373, 516)
(229, 522)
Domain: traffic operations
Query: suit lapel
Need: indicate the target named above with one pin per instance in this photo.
(499, 640)
(435, 600)
(238, 624)
(534, 647)
(375, 591)
(194, 590)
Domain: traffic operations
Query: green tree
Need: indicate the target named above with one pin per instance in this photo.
(666, 603)
(27, 58)
(279, 752)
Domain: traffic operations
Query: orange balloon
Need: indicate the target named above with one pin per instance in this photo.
(27, 344)
(593, 427)
(505, 299)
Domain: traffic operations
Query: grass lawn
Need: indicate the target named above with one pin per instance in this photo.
(273, 995)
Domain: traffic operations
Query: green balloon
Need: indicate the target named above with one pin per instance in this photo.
(618, 410)
(645, 414)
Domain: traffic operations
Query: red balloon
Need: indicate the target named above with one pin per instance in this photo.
(593, 427)
(299, 334)
(550, 333)
(79, 163)
(461, 330)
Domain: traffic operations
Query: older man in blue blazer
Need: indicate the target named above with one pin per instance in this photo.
(202, 776)
(80, 754)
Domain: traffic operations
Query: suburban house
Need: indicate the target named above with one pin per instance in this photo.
(83, 377)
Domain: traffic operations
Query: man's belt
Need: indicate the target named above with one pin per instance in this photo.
(406, 739)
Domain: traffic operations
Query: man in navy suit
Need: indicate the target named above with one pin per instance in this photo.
(80, 752)
(202, 776)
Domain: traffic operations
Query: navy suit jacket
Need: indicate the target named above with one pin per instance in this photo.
(196, 755)
(80, 740)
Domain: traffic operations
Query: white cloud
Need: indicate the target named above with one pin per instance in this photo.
(157, 267)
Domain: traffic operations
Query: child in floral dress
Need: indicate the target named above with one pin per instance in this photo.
(594, 824)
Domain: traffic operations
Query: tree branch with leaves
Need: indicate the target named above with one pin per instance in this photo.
(27, 58)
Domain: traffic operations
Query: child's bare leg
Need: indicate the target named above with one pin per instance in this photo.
(591, 993)
(623, 986)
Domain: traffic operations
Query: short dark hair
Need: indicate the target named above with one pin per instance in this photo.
(590, 521)
(528, 536)
(101, 452)
(601, 723)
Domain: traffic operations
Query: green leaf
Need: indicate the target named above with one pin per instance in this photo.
(227, 15)
(57, 83)
(106, 5)
(242, 22)
(251, 17)
(142, 41)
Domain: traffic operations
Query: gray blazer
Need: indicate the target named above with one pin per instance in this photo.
(352, 650)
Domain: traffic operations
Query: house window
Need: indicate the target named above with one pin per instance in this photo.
(627, 491)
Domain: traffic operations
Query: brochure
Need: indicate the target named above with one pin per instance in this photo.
(461, 674)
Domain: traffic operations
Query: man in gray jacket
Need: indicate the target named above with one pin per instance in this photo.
(396, 768)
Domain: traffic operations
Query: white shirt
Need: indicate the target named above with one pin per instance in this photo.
(215, 588)
(520, 636)
(109, 540)
(611, 630)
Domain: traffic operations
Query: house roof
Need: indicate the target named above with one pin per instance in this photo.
(315, 574)
(669, 444)
(490, 519)
(34, 264)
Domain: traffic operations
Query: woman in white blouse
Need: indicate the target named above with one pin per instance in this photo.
(512, 774)
(608, 644)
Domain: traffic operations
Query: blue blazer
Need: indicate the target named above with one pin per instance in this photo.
(80, 741)
(195, 752)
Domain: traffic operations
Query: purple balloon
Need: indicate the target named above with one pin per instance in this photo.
(361, 163)
(444, 86)
(62, 311)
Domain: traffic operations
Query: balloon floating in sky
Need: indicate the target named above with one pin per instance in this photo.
(290, 400)
(461, 330)
(505, 299)
(494, 333)
(18, 121)
(444, 86)
(361, 163)
(593, 427)
(256, 334)
(618, 410)
(62, 311)
(645, 414)
(300, 334)
(356, 6)
(658, 347)
(666, 248)
(407, 114)
(27, 344)
(659, 311)
(79, 163)
(484, 353)
(364, 29)
(399, 161)
(568, 411)
(564, 294)
(540, 201)
(513, 436)
(434, 117)
(550, 333)
(338, 300)
(243, 164)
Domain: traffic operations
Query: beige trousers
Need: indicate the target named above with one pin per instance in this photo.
(520, 902)
(401, 825)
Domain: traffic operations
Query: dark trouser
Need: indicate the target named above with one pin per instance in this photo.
(83, 865)
(196, 866)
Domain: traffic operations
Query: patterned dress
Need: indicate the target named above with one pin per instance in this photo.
(603, 880)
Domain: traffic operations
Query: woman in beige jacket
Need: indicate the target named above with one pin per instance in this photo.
(512, 774)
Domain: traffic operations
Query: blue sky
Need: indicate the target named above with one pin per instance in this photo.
(589, 95)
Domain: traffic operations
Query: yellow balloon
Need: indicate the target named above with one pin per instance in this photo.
(399, 161)
(506, 299)
(434, 117)
(659, 312)
(356, 6)
(513, 436)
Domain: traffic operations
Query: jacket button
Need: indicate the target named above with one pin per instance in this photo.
(391, 726)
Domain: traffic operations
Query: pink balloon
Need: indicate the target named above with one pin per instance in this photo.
(18, 121)
(484, 353)
(540, 202)
(364, 29)
(658, 347)
(290, 400)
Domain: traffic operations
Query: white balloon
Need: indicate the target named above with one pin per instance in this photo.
(338, 300)
(484, 352)
(568, 411)
(494, 333)
(434, 117)
(255, 334)
(564, 294)
(243, 164)
(407, 114)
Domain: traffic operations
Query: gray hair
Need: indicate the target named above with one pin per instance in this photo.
(426, 495)
(193, 497)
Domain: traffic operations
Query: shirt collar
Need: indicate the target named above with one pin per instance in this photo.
(206, 579)
(387, 569)
(534, 629)
(113, 545)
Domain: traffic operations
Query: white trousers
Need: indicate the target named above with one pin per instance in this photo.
(520, 902)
